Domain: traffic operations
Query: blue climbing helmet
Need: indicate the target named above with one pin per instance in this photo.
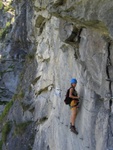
(73, 81)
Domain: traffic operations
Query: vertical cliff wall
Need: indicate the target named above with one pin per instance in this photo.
(50, 42)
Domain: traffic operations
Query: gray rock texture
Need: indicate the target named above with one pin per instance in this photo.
(50, 42)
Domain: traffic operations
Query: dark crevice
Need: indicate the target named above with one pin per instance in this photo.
(74, 39)
(108, 75)
(59, 3)
(48, 148)
(3, 102)
(78, 38)
(110, 92)
(79, 33)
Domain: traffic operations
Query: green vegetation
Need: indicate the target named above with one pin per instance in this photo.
(3, 102)
(30, 56)
(30, 88)
(20, 128)
(12, 20)
(35, 80)
(6, 110)
(1, 143)
(1, 4)
(2, 73)
(25, 107)
(19, 0)
(39, 21)
(21, 76)
(5, 71)
(18, 95)
(42, 120)
(21, 94)
(5, 131)
(11, 67)
(14, 97)
(4, 31)
(8, 7)
(41, 90)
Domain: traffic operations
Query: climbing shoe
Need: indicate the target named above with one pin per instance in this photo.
(70, 125)
(73, 129)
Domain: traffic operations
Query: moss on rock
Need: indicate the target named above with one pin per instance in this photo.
(20, 128)
(1, 143)
(4, 31)
(6, 110)
(5, 131)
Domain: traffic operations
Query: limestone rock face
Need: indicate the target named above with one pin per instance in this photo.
(51, 42)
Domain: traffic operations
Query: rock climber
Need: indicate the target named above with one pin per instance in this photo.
(73, 104)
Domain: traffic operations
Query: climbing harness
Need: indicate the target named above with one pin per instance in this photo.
(75, 105)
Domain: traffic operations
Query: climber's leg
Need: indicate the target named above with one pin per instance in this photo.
(73, 116)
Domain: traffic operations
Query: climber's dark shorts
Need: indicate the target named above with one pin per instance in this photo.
(73, 104)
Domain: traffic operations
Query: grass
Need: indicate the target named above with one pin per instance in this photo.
(5, 131)
(4, 31)
(20, 128)
(6, 110)
(1, 4)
